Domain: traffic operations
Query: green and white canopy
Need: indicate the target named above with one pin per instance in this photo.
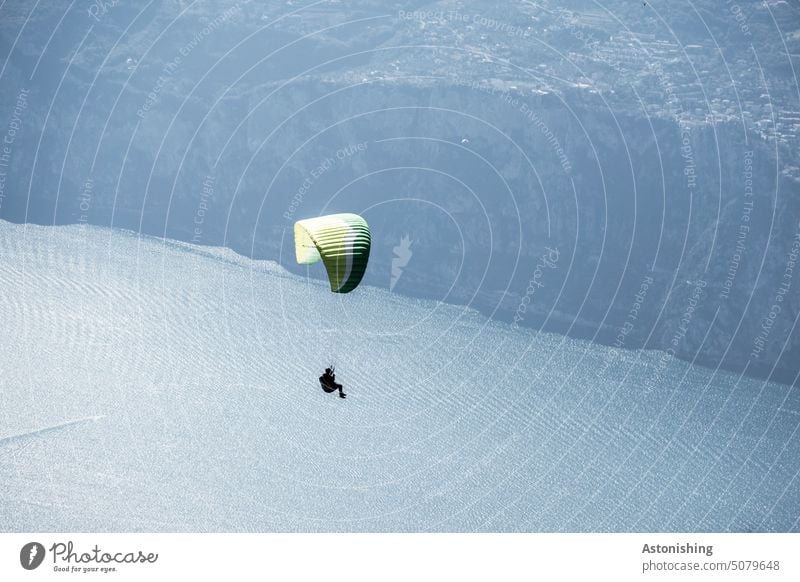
(341, 241)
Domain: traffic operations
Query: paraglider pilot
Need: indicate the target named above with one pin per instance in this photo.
(329, 384)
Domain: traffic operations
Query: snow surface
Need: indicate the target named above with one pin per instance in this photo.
(151, 385)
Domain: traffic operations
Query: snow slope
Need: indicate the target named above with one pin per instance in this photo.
(150, 385)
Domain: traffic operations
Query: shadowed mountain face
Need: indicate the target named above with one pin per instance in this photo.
(618, 172)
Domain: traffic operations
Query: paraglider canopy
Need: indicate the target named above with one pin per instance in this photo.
(340, 241)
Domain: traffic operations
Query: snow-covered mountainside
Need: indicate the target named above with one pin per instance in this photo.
(153, 385)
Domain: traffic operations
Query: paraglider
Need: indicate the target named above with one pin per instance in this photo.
(329, 383)
(341, 241)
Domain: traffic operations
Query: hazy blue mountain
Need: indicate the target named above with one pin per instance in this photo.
(619, 133)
